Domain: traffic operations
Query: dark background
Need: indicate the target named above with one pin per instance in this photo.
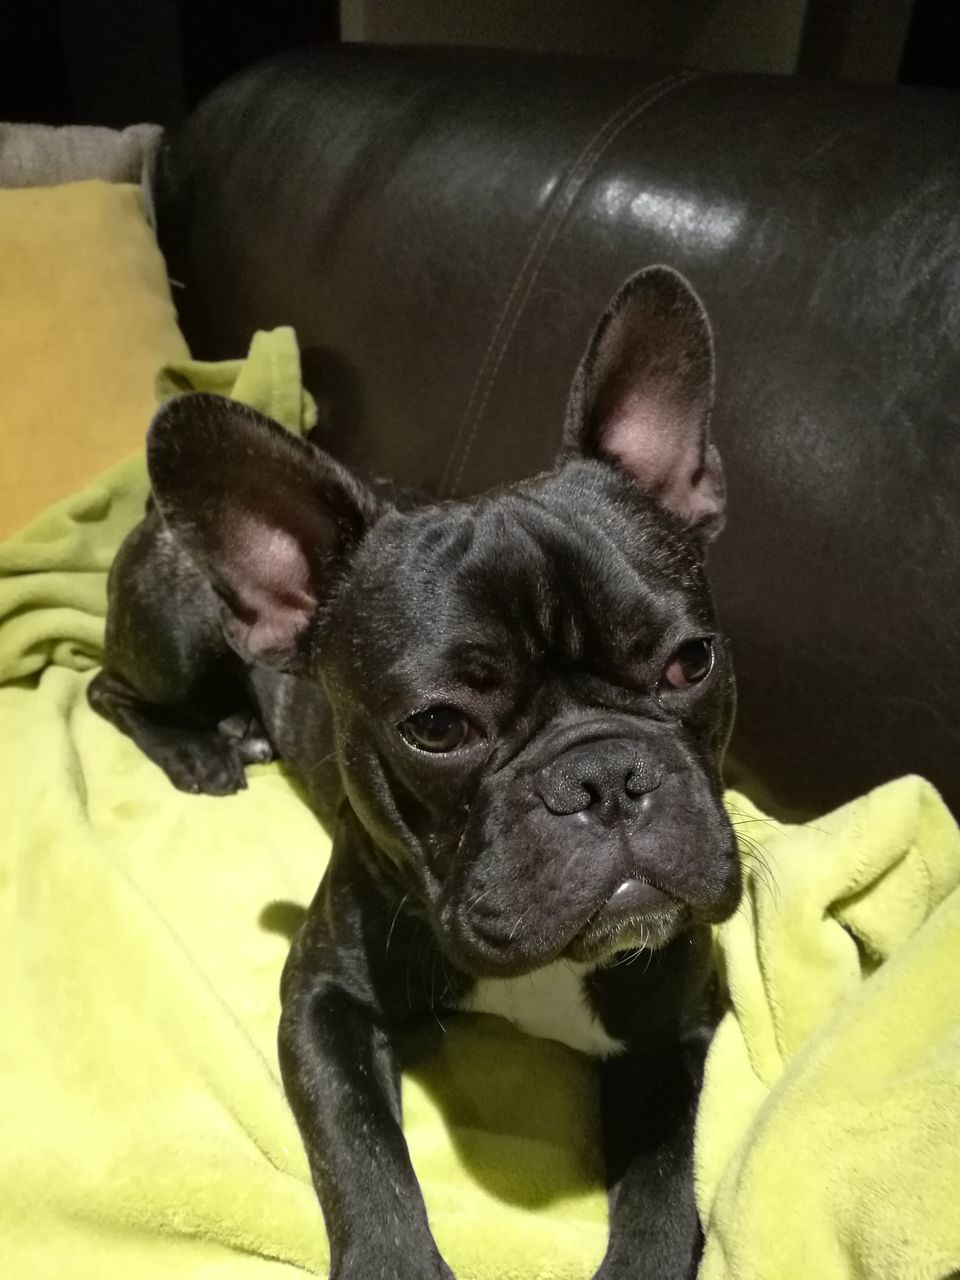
(932, 54)
(119, 62)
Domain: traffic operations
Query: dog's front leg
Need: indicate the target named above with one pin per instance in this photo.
(342, 1078)
(648, 1111)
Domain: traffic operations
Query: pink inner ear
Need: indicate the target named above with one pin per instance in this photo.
(658, 440)
(269, 576)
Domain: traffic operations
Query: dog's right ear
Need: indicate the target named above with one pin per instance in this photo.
(269, 519)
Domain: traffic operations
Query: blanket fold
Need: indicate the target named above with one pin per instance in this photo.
(829, 1134)
(142, 933)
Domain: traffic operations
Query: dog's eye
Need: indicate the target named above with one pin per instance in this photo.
(438, 729)
(690, 664)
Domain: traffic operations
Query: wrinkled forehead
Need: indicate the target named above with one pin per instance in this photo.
(530, 576)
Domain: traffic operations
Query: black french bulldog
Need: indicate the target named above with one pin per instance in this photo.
(511, 713)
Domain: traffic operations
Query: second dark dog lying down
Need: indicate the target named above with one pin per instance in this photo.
(511, 713)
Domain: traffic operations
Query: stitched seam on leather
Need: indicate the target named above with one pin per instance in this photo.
(536, 255)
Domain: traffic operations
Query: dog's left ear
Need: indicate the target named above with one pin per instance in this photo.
(642, 397)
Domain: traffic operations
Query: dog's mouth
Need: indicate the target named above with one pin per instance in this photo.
(637, 916)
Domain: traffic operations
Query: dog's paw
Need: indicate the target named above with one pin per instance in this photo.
(202, 763)
(247, 734)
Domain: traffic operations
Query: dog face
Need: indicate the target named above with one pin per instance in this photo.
(531, 698)
(531, 701)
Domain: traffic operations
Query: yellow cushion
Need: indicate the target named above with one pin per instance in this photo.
(86, 320)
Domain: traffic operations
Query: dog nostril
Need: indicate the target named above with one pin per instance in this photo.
(640, 781)
(593, 794)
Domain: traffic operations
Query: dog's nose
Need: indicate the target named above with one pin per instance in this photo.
(608, 781)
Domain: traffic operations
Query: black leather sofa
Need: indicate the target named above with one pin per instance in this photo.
(442, 227)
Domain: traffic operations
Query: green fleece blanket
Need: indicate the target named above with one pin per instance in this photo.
(144, 1129)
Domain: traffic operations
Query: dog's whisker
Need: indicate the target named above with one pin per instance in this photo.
(628, 957)
(479, 898)
(755, 858)
(518, 924)
(785, 830)
(447, 984)
(393, 923)
(433, 988)
(645, 940)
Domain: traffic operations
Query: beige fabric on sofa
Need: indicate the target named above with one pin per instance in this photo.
(36, 155)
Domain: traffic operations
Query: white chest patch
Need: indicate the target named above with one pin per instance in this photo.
(551, 1003)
